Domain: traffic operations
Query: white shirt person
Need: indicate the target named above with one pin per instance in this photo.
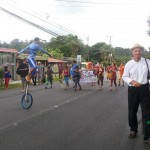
(137, 71)
(135, 75)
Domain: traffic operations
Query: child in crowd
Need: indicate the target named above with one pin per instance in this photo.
(77, 76)
(48, 77)
(7, 76)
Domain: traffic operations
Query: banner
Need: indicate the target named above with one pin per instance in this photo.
(88, 76)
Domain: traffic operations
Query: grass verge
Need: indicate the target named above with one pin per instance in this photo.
(11, 86)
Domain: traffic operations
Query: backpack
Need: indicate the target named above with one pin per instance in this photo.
(77, 74)
(18, 71)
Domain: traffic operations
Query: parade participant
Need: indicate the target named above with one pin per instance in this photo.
(66, 77)
(100, 76)
(34, 77)
(108, 69)
(32, 49)
(73, 71)
(23, 71)
(77, 77)
(121, 70)
(113, 77)
(40, 72)
(60, 70)
(136, 76)
(49, 77)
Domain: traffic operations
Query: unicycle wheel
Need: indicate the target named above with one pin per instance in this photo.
(27, 101)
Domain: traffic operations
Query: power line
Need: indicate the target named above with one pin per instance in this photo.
(51, 23)
(83, 2)
(104, 3)
(72, 10)
(29, 22)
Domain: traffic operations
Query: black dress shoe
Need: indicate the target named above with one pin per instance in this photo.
(132, 134)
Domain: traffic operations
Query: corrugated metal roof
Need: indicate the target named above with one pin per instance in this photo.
(53, 60)
(22, 56)
(8, 50)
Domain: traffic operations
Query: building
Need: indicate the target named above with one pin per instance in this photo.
(41, 59)
(8, 57)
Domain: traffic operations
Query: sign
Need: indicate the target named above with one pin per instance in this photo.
(78, 58)
(88, 76)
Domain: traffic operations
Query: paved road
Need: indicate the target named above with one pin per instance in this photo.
(90, 119)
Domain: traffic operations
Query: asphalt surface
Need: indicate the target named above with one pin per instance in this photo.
(90, 119)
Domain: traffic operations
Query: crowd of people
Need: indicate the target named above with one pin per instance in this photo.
(45, 74)
(136, 73)
(35, 70)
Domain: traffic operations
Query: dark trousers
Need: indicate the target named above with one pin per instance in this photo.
(100, 80)
(34, 80)
(113, 81)
(139, 96)
(50, 79)
(77, 82)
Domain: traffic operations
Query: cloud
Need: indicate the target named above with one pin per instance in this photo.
(125, 21)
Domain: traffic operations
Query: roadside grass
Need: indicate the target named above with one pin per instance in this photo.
(11, 86)
(17, 85)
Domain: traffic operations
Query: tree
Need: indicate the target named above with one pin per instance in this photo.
(17, 44)
(100, 52)
(121, 55)
(5, 45)
(69, 45)
(0, 44)
(56, 53)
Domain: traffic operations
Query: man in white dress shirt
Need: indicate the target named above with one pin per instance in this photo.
(135, 75)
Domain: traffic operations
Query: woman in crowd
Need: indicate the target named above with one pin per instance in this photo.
(113, 76)
(108, 69)
(66, 76)
(121, 71)
(100, 76)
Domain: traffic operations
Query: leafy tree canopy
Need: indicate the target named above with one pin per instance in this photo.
(71, 46)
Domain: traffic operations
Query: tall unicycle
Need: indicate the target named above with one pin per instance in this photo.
(27, 99)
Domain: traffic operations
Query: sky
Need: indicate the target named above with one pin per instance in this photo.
(121, 23)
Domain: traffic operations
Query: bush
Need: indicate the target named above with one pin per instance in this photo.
(1, 76)
(1, 73)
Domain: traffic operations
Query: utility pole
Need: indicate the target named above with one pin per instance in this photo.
(109, 39)
(110, 55)
(149, 26)
(88, 45)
